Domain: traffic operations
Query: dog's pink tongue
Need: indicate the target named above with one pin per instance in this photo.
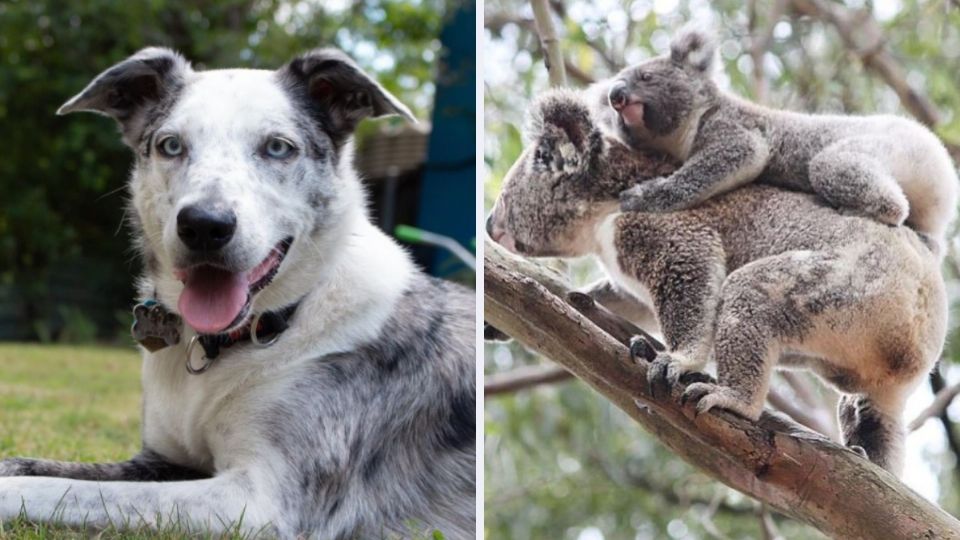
(212, 298)
(633, 114)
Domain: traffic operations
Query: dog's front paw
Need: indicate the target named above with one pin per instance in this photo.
(706, 396)
(13, 467)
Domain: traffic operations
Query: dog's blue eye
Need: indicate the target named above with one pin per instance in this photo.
(278, 148)
(170, 146)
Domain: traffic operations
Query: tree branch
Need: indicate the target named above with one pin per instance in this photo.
(551, 44)
(774, 460)
(939, 404)
(864, 37)
(521, 378)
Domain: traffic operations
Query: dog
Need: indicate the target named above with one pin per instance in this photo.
(301, 378)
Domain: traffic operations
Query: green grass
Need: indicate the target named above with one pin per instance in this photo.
(76, 403)
(69, 402)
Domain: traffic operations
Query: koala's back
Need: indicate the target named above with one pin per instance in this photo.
(905, 150)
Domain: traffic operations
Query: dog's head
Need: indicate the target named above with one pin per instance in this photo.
(241, 176)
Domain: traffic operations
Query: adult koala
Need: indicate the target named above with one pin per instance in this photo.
(756, 277)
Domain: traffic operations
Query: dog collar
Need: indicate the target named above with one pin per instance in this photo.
(156, 328)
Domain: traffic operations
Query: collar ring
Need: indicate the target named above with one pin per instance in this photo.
(254, 325)
(206, 361)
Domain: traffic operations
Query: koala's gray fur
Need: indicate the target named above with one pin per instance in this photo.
(886, 167)
(752, 277)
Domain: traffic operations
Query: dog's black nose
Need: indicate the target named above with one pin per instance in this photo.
(618, 95)
(205, 228)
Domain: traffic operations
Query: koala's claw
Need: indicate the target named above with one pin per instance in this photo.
(710, 395)
(859, 450)
(641, 349)
(664, 372)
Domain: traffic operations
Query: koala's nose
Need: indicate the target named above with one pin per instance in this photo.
(618, 95)
(489, 225)
(205, 227)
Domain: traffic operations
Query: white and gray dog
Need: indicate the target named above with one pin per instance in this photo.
(301, 377)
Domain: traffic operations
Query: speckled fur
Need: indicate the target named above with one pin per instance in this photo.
(745, 278)
(358, 422)
(886, 167)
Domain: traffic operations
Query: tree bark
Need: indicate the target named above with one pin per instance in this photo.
(798, 472)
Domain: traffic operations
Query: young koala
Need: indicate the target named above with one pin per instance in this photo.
(752, 278)
(886, 167)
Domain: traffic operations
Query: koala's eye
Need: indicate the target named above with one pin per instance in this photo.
(170, 146)
(645, 76)
(278, 148)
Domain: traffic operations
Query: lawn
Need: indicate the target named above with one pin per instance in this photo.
(78, 403)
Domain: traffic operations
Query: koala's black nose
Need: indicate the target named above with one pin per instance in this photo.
(489, 225)
(618, 95)
(204, 227)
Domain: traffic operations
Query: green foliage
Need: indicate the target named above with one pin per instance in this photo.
(561, 462)
(63, 179)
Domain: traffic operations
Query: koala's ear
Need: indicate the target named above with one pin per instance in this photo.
(563, 135)
(561, 109)
(126, 91)
(343, 93)
(694, 47)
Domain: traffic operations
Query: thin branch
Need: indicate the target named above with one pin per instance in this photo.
(863, 36)
(553, 54)
(761, 37)
(809, 419)
(801, 387)
(578, 74)
(774, 460)
(522, 378)
(767, 525)
(940, 402)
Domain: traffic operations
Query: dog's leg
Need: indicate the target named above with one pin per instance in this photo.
(146, 466)
(231, 501)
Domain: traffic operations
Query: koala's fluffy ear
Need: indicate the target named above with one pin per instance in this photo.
(563, 133)
(562, 109)
(342, 93)
(126, 91)
(694, 47)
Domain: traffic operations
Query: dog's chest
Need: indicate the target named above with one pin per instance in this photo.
(202, 420)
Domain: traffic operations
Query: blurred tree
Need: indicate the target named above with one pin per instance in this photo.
(562, 463)
(63, 181)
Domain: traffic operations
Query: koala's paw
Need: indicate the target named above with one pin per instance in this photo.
(649, 196)
(631, 199)
(890, 212)
(859, 450)
(710, 395)
(641, 350)
(666, 371)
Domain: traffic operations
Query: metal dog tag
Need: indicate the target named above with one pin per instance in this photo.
(154, 327)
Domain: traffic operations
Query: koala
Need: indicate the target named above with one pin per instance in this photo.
(755, 278)
(885, 167)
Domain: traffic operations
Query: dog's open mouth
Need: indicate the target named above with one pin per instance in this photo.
(215, 299)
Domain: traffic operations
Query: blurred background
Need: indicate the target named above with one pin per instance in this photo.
(66, 270)
(560, 461)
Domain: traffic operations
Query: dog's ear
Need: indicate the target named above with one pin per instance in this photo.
(129, 89)
(344, 94)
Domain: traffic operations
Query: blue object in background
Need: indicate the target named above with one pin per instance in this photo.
(448, 194)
